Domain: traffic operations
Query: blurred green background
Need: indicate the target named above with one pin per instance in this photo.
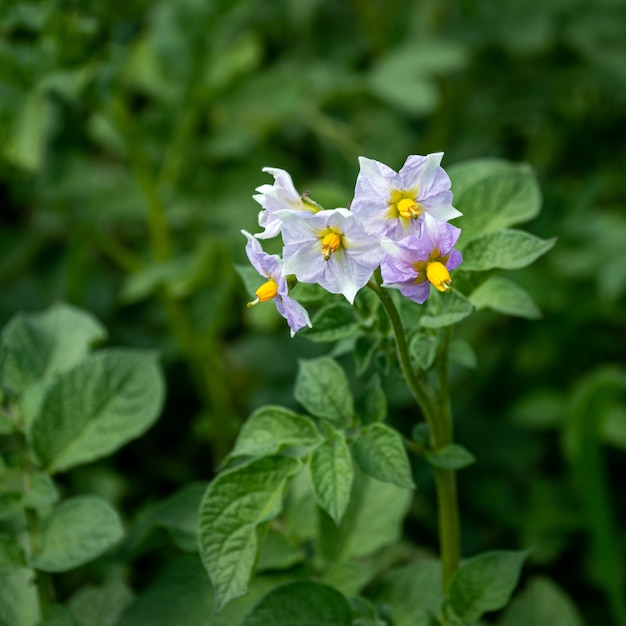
(132, 137)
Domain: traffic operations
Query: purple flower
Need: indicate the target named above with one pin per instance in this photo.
(330, 248)
(414, 263)
(280, 196)
(270, 266)
(395, 205)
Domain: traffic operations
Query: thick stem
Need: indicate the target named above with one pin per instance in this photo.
(436, 410)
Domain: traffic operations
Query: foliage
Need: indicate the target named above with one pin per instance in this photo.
(131, 139)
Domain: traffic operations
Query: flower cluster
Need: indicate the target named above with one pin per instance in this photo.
(398, 222)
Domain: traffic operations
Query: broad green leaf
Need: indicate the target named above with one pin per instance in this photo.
(452, 457)
(372, 521)
(380, 452)
(39, 345)
(100, 606)
(403, 77)
(445, 309)
(492, 194)
(462, 353)
(364, 350)
(235, 503)
(302, 603)
(278, 553)
(40, 490)
(77, 531)
(423, 349)
(485, 583)
(411, 592)
(93, 409)
(181, 595)
(271, 428)
(178, 515)
(322, 389)
(331, 323)
(504, 296)
(366, 306)
(19, 603)
(504, 249)
(374, 401)
(332, 475)
(348, 577)
(542, 603)
(301, 514)
(365, 613)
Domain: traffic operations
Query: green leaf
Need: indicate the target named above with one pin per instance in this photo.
(446, 309)
(178, 515)
(331, 323)
(485, 583)
(77, 531)
(278, 553)
(271, 428)
(322, 389)
(380, 452)
(372, 521)
(90, 411)
(181, 595)
(423, 349)
(504, 296)
(403, 77)
(411, 592)
(374, 401)
(39, 345)
(332, 475)
(453, 457)
(301, 603)
(348, 577)
(100, 606)
(542, 603)
(462, 353)
(364, 350)
(504, 249)
(235, 503)
(493, 194)
(40, 490)
(19, 603)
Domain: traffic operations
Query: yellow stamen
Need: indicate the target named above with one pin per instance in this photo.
(265, 292)
(407, 207)
(438, 275)
(331, 242)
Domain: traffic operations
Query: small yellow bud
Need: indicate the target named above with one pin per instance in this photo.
(330, 243)
(408, 208)
(265, 292)
(437, 273)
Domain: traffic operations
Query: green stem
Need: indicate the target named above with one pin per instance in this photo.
(436, 410)
(43, 581)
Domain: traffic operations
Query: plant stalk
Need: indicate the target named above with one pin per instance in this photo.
(436, 410)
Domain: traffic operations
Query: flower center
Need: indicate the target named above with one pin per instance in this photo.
(267, 291)
(331, 242)
(407, 207)
(437, 273)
